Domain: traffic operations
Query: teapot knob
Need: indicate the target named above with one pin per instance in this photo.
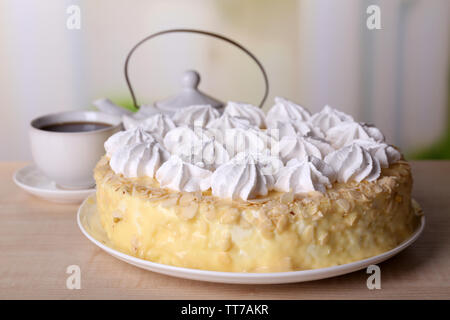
(190, 79)
(189, 95)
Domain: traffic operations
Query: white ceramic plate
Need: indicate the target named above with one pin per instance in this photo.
(32, 180)
(90, 226)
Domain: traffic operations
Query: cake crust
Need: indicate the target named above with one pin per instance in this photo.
(278, 232)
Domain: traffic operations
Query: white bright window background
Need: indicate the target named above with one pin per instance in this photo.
(316, 52)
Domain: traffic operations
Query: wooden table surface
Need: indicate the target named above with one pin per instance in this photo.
(40, 239)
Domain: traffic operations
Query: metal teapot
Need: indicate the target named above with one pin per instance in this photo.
(189, 93)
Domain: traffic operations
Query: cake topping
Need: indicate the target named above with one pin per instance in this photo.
(279, 129)
(196, 145)
(329, 117)
(269, 164)
(251, 140)
(354, 163)
(248, 111)
(246, 176)
(385, 153)
(127, 137)
(287, 110)
(179, 136)
(301, 147)
(226, 122)
(180, 175)
(198, 115)
(138, 159)
(345, 133)
(293, 127)
(158, 124)
(301, 176)
(298, 151)
(208, 153)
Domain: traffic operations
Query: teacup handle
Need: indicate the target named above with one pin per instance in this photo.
(207, 33)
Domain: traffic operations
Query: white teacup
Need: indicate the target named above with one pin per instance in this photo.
(69, 158)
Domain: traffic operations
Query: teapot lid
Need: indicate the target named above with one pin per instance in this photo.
(189, 95)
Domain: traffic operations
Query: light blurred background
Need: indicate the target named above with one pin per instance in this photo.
(316, 52)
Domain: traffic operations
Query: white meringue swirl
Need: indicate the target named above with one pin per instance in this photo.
(302, 176)
(300, 148)
(197, 115)
(269, 164)
(242, 177)
(251, 140)
(226, 122)
(293, 128)
(254, 114)
(197, 146)
(386, 154)
(179, 175)
(123, 138)
(158, 124)
(138, 159)
(286, 110)
(329, 117)
(354, 163)
(179, 136)
(208, 154)
(345, 133)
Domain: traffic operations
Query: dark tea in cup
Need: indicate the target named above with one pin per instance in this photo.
(75, 126)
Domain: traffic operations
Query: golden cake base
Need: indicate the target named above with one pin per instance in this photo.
(280, 232)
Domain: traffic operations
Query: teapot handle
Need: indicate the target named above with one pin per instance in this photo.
(215, 35)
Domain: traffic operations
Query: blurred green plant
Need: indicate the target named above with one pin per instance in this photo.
(441, 148)
(438, 150)
(126, 103)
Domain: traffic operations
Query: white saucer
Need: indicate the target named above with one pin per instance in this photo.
(35, 182)
(90, 226)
